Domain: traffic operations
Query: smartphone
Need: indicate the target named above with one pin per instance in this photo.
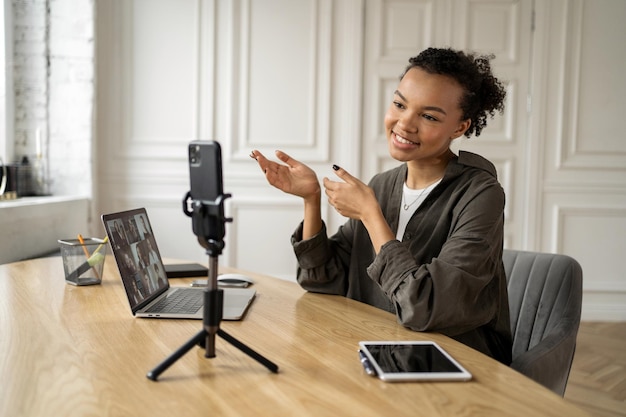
(205, 176)
(205, 169)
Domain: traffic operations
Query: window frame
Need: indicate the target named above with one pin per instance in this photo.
(6, 85)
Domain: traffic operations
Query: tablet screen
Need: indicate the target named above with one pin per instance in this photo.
(411, 361)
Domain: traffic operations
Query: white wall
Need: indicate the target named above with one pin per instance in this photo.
(313, 80)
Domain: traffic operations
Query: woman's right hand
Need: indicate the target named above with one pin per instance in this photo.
(293, 177)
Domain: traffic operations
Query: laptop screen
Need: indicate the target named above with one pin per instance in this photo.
(136, 254)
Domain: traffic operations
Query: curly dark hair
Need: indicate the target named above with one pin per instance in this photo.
(484, 94)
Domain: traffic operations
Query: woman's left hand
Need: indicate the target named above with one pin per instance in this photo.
(351, 198)
(354, 199)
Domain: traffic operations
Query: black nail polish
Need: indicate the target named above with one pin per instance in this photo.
(336, 167)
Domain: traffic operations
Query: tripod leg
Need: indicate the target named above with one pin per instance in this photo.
(198, 338)
(248, 351)
(209, 342)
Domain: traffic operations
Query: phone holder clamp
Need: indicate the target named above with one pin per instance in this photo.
(205, 216)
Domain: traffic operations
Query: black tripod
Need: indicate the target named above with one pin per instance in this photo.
(207, 216)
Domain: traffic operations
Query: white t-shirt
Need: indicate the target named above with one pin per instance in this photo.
(411, 200)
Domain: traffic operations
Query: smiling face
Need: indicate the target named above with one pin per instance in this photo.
(424, 117)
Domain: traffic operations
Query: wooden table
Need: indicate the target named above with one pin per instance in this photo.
(77, 351)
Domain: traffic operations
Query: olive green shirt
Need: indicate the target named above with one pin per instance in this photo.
(447, 273)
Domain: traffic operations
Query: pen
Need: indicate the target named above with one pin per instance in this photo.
(369, 369)
(105, 240)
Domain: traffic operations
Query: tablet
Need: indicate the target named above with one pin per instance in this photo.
(412, 361)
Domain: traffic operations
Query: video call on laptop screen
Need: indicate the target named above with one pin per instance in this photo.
(137, 256)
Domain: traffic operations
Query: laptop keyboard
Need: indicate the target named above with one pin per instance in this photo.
(183, 301)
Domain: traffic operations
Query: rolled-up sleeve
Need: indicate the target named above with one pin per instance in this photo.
(320, 265)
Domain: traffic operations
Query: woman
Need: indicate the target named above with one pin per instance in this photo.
(423, 240)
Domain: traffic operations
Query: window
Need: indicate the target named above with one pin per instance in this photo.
(47, 78)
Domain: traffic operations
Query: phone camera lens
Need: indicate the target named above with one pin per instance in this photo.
(193, 154)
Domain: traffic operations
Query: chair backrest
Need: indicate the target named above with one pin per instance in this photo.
(545, 299)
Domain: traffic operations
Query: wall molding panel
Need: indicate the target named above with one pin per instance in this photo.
(584, 144)
(160, 121)
(405, 28)
(267, 62)
(503, 20)
(258, 215)
(583, 228)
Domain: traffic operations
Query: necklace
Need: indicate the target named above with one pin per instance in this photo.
(406, 206)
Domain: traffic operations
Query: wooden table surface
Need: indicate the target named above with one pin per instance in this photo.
(78, 351)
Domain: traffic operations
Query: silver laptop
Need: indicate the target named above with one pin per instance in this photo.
(145, 281)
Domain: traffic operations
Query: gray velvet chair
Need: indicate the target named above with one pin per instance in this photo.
(545, 298)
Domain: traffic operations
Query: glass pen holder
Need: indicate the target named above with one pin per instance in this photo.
(83, 263)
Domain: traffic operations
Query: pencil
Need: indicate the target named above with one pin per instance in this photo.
(82, 243)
